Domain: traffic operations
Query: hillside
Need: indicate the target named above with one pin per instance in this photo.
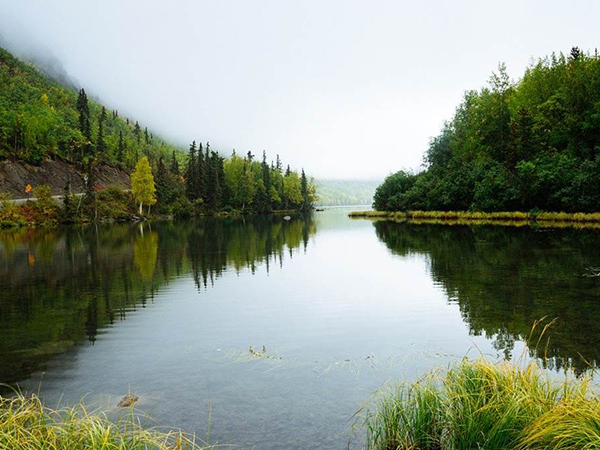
(41, 118)
(345, 192)
(533, 144)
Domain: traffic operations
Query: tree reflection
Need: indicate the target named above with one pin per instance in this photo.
(504, 279)
(85, 279)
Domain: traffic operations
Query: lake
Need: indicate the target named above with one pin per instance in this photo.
(271, 334)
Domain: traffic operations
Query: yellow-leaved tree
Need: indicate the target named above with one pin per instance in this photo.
(142, 184)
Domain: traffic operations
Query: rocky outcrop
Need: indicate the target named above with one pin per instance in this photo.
(15, 175)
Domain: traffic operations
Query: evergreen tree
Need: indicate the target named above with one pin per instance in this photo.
(304, 192)
(121, 148)
(214, 191)
(100, 144)
(174, 164)
(201, 169)
(146, 138)
(137, 130)
(190, 173)
(84, 121)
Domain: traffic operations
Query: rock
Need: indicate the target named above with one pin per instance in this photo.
(287, 218)
(128, 401)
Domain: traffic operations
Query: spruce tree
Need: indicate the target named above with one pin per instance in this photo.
(100, 144)
(121, 148)
(304, 191)
(174, 164)
(146, 138)
(201, 169)
(84, 121)
(190, 173)
(137, 130)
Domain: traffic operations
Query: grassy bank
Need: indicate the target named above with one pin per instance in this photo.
(480, 405)
(502, 218)
(26, 424)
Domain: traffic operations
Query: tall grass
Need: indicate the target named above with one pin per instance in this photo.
(505, 218)
(26, 424)
(481, 405)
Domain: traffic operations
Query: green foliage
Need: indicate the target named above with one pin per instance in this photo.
(142, 184)
(40, 118)
(531, 144)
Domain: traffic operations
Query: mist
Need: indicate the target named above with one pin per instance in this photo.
(344, 89)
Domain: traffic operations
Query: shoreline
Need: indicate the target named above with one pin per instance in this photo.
(514, 218)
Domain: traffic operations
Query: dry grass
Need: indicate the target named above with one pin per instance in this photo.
(515, 218)
(26, 424)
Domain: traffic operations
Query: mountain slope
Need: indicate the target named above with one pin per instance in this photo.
(39, 118)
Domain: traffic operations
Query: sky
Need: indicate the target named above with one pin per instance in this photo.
(341, 88)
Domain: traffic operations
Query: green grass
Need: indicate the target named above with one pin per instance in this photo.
(26, 424)
(481, 405)
(515, 218)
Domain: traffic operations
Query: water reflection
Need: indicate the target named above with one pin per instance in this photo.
(504, 279)
(62, 287)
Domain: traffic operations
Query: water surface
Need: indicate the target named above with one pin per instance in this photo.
(279, 330)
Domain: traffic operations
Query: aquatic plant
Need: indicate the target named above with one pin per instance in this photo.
(479, 404)
(26, 424)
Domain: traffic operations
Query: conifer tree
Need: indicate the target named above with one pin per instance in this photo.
(304, 191)
(100, 144)
(201, 169)
(137, 130)
(146, 138)
(84, 121)
(174, 164)
(190, 173)
(121, 148)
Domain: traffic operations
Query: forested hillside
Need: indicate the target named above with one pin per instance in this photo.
(39, 117)
(345, 192)
(524, 145)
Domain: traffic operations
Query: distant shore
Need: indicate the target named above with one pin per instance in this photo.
(514, 218)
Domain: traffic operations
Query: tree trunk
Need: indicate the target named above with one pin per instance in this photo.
(140, 208)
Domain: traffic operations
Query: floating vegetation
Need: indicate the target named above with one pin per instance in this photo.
(273, 358)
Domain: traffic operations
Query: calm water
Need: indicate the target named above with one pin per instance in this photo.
(281, 330)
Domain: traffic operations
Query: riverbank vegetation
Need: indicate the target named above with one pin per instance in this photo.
(477, 404)
(529, 145)
(502, 218)
(26, 424)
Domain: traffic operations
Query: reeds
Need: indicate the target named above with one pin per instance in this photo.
(466, 217)
(26, 424)
(481, 405)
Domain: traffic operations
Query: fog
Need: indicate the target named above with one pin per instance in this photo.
(344, 88)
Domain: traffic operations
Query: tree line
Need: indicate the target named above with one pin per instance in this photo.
(533, 144)
(211, 183)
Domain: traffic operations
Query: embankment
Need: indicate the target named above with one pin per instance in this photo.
(55, 172)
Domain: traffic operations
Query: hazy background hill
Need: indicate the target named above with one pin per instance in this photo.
(345, 192)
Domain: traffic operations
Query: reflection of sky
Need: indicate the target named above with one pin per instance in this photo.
(338, 321)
